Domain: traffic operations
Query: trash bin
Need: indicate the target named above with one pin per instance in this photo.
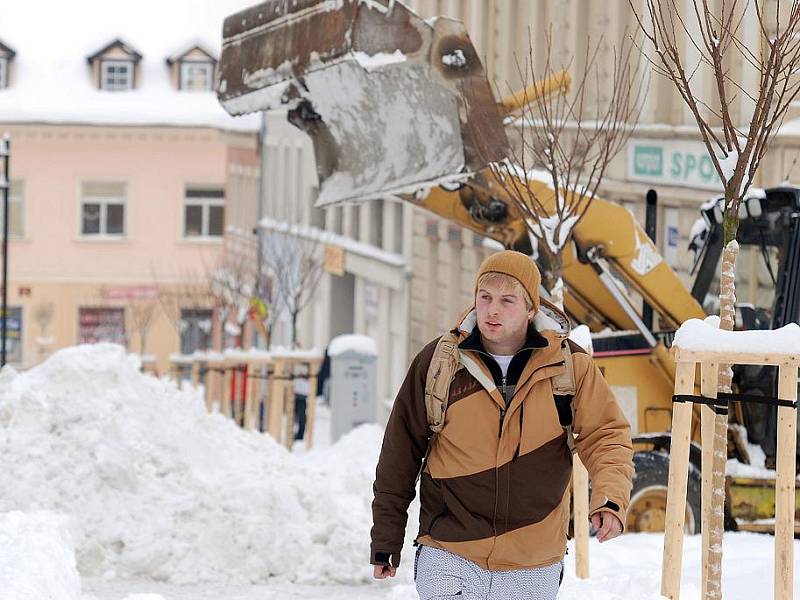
(353, 387)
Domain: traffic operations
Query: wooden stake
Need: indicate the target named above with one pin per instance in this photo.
(236, 377)
(277, 399)
(226, 390)
(580, 517)
(214, 379)
(195, 373)
(252, 370)
(311, 405)
(708, 387)
(289, 406)
(206, 387)
(785, 483)
(676, 487)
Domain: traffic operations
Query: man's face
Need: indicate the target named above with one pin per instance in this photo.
(502, 314)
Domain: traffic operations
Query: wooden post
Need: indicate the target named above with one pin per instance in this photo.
(248, 397)
(225, 409)
(709, 375)
(213, 379)
(289, 406)
(580, 517)
(236, 377)
(195, 372)
(311, 404)
(277, 399)
(206, 380)
(785, 483)
(676, 487)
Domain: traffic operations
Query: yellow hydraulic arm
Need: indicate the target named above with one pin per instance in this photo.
(608, 233)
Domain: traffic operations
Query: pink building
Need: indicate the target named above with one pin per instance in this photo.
(121, 161)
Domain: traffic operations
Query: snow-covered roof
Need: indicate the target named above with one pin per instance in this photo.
(52, 82)
(115, 43)
(195, 44)
(7, 50)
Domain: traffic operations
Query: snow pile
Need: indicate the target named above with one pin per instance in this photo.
(371, 62)
(699, 227)
(157, 488)
(582, 336)
(696, 335)
(455, 59)
(348, 342)
(37, 560)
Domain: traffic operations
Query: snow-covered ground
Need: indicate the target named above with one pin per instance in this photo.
(116, 485)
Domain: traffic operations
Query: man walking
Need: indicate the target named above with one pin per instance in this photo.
(496, 467)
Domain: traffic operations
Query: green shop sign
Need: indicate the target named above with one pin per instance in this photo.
(683, 163)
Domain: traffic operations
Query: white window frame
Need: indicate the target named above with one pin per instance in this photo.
(104, 201)
(104, 66)
(3, 72)
(16, 197)
(209, 68)
(205, 203)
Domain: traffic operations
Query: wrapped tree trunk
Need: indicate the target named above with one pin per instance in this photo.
(727, 312)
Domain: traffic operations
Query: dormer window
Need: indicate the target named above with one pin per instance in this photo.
(192, 68)
(114, 66)
(6, 54)
(196, 76)
(117, 75)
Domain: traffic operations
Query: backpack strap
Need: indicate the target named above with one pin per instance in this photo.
(565, 385)
(442, 369)
(446, 361)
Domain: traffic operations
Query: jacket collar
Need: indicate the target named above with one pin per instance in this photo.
(533, 340)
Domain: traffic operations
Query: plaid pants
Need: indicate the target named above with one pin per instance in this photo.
(440, 575)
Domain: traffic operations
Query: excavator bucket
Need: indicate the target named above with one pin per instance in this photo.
(393, 103)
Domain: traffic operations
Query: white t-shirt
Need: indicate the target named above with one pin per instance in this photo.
(503, 361)
(301, 386)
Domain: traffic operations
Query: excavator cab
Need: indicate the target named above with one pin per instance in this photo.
(768, 288)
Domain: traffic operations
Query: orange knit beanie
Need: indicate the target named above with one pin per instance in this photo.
(517, 265)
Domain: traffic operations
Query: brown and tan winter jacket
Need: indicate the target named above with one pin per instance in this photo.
(495, 487)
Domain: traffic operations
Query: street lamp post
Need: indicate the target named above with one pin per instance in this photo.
(5, 154)
(262, 168)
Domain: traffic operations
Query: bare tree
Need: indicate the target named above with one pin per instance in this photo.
(737, 122)
(142, 313)
(737, 138)
(233, 284)
(188, 292)
(43, 315)
(566, 143)
(296, 267)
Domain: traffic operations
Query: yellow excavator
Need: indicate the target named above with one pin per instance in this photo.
(399, 106)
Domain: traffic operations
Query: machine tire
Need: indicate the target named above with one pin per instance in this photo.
(647, 509)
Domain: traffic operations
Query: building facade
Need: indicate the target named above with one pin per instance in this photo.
(100, 228)
(120, 164)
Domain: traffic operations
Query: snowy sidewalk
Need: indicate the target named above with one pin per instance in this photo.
(628, 568)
